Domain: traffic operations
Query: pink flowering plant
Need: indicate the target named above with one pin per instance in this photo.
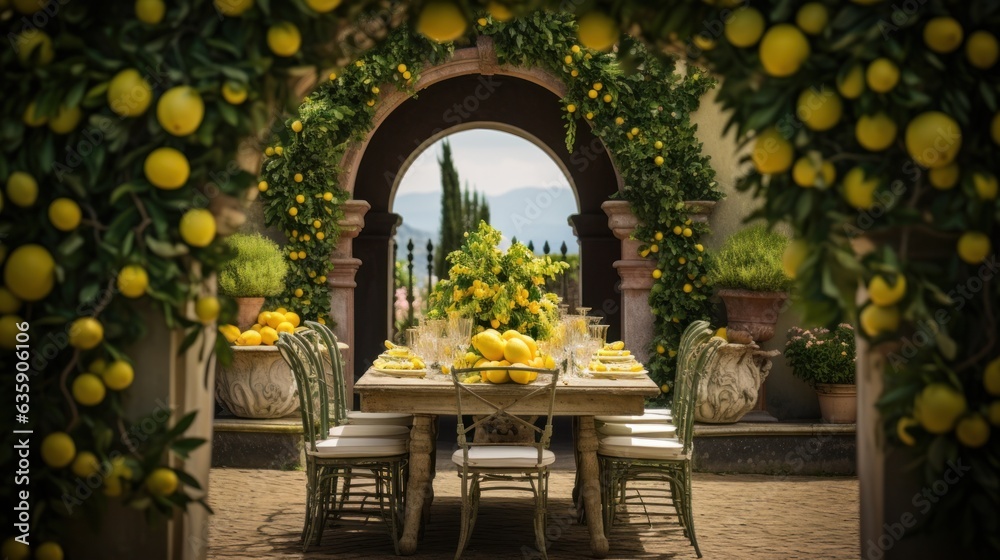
(821, 355)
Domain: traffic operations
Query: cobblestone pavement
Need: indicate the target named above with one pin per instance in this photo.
(259, 513)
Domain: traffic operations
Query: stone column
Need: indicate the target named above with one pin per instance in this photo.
(373, 298)
(598, 286)
(341, 281)
(637, 280)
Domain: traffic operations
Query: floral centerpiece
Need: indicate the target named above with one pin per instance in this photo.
(821, 355)
(498, 289)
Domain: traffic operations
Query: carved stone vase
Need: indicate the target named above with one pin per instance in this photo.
(258, 384)
(729, 386)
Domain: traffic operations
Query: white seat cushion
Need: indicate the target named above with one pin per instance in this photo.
(353, 447)
(641, 448)
(650, 416)
(504, 457)
(370, 430)
(382, 418)
(638, 430)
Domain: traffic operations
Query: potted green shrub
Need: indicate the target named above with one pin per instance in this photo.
(256, 271)
(752, 282)
(826, 360)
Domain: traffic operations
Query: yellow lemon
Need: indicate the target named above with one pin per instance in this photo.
(162, 482)
(657, 273)
(819, 109)
(119, 471)
(550, 362)
(207, 309)
(180, 110)
(509, 334)
(859, 191)
(22, 189)
(30, 272)
(875, 132)
(938, 407)
(852, 83)
(497, 375)
(982, 50)
(812, 18)
(944, 178)
(902, 429)
(991, 377)
(986, 185)
(85, 464)
(166, 168)
(943, 34)
(973, 247)
(597, 30)
(805, 172)
(58, 450)
(263, 316)
(783, 50)
(234, 93)
(233, 8)
(65, 120)
(489, 344)
(9, 331)
(882, 75)
(256, 327)
(88, 389)
(520, 377)
(933, 139)
(133, 280)
(86, 333)
(876, 320)
(150, 11)
(249, 338)
(323, 6)
(34, 45)
(772, 153)
(517, 352)
(230, 332)
(274, 319)
(197, 227)
(744, 27)
(118, 375)
(49, 551)
(499, 11)
(441, 21)
(65, 214)
(129, 94)
(31, 116)
(9, 303)
(268, 336)
(293, 318)
(884, 294)
(973, 431)
(284, 39)
(284, 327)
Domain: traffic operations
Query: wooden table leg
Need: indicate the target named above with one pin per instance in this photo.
(590, 484)
(419, 487)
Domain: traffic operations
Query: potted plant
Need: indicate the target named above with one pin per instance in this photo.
(752, 282)
(256, 271)
(826, 359)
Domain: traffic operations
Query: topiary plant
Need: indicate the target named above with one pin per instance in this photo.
(257, 268)
(751, 260)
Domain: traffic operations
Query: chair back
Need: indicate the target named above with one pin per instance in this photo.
(697, 348)
(468, 393)
(339, 406)
(301, 354)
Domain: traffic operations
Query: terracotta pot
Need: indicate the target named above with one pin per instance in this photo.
(249, 308)
(838, 402)
(752, 312)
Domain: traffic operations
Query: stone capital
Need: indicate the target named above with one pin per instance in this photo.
(636, 275)
(621, 220)
(354, 218)
(343, 273)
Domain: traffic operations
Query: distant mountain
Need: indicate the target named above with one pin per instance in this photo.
(536, 214)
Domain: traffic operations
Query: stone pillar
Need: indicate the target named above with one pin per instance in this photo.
(341, 281)
(598, 252)
(637, 279)
(373, 298)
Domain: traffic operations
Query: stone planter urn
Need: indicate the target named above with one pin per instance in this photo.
(258, 384)
(751, 316)
(729, 386)
(838, 402)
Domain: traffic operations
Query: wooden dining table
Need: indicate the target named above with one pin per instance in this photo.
(434, 395)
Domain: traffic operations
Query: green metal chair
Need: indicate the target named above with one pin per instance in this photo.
(663, 462)
(483, 463)
(378, 460)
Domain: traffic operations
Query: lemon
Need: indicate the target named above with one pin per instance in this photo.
(995, 128)
(509, 334)
(852, 84)
(180, 110)
(129, 94)
(973, 431)
(982, 50)
(268, 336)
(884, 294)
(234, 93)
(944, 178)
(9, 331)
(793, 257)
(550, 362)
(812, 18)
(497, 375)
(783, 50)
(132, 281)
(657, 273)
(986, 185)
(262, 317)
(233, 8)
(58, 450)
(520, 377)
(230, 332)
(805, 172)
(119, 471)
(65, 120)
(34, 45)
(162, 482)
(256, 327)
(197, 227)
(249, 338)
(772, 153)
(973, 247)
(859, 191)
(207, 309)
(49, 551)
(882, 75)
(88, 389)
(22, 189)
(489, 344)
(902, 427)
(86, 333)
(441, 21)
(30, 272)
(274, 319)
(517, 352)
(65, 214)
(744, 27)
(597, 30)
(323, 6)
(991, 377)
(85, 464)
(118, 375)
(31, 116)
(499, 11)
(875, 132)
(876, 320)
(943, 34)
(150, 11)
(938, 407)
(284, 39)
(819, 109)
(166, 168)
(293, 318)
(9, 303)
(284, 327)
(933, 139)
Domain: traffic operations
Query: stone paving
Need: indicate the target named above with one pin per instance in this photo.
(258, 514)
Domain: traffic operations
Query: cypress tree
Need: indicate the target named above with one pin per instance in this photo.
(460, 211)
